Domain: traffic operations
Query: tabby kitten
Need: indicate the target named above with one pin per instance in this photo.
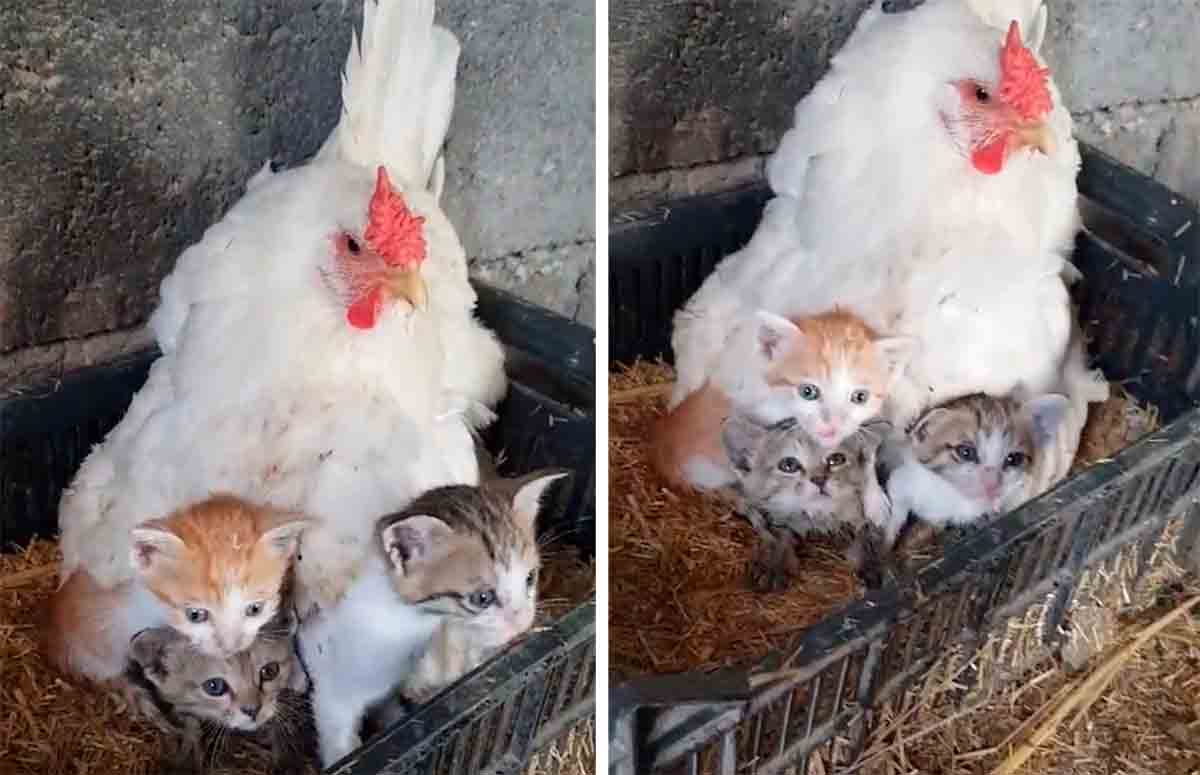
(186, 692)
(966, 459)
(459, 556)
(831, 372)
(791, 486)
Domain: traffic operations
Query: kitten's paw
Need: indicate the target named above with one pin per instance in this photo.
(773, 566)
(871, 576)
(874, 565)
(875, 576)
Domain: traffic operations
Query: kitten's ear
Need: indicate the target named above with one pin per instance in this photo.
(775, 335)
(896, 352)
(415, 541)
(927, 422)
(874, 432)
(739, 435)
(527, 497)
(1044, 415)
(284, 538)
(149, 648)
(284, 624)
(151, 545)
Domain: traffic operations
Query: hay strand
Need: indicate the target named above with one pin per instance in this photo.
(640, 393)
(1082, 697)
(25, 577)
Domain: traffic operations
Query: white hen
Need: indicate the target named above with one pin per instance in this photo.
(928, 184)
(307, 338)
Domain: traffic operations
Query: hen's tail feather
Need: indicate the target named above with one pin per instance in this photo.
(397, 92)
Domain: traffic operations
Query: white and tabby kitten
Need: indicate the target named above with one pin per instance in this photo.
(461, 556)
(967, 458)
(791, 486)
(186, 692)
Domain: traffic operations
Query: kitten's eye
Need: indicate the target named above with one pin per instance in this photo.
(860, 397)
(254, 609)
(809, 392)
(789, 465)
(981, 95)
(1015, 460)
(482, 598)
(531, 579)
(352, 245)
(965, 453)
(215, 687)
(835, 460)
(196, 615)
(269, 672)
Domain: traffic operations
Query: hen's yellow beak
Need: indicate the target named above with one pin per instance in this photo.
(1035, 134)
(408, 284)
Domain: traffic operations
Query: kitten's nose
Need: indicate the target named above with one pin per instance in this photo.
(991, 481)
(251, 711)
(819, 482)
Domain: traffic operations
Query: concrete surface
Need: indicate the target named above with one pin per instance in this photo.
(702, 91)
(131, 125)
(699, 82)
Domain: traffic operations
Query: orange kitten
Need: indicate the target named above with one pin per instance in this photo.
(830, 372)
(213, 571)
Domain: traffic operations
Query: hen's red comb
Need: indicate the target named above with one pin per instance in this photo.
(393, 231)
(1022, 80)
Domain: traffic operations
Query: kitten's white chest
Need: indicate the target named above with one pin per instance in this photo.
(356, 653)
(368, 640)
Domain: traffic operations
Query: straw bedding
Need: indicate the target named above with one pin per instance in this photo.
(1132, 710)
(49, 726)
(679, 598)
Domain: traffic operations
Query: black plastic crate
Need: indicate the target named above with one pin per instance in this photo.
(1140, 305)
(498, 716)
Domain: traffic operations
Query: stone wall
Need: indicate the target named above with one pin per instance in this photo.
(131, 125)
(702, 91)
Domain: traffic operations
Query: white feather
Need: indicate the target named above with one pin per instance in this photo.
(397, 92)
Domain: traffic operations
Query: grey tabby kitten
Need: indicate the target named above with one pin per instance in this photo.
(502, 513)
(186, 693)
(789, 487)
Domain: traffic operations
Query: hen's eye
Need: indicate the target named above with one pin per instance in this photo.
(859, 397)
(254, 609)
(531, 579)
(835, 460)
(981, 95)
(810, 392)
(215, 687)
(482, 598)
(1015, 460)
(196, 615)
(789, 465)
(352, 245)
(965, 453)
(269, 672)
